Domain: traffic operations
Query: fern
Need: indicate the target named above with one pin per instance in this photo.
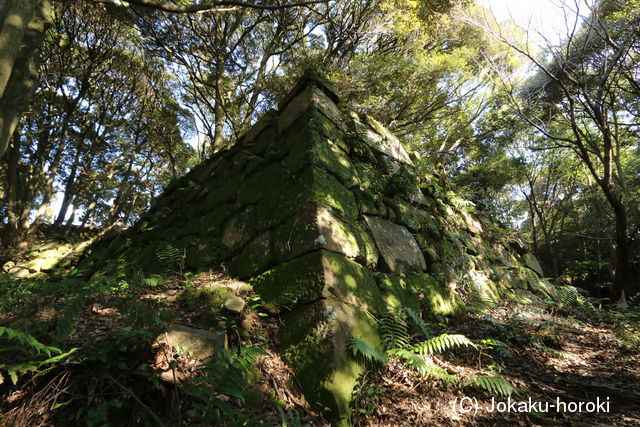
(498, 346)
(495, 383)
(393, 331)
(170, 255)
(417, 321)
(361, 347)
(224, 378)
(442, 343)
(31, 348)
(423, 367)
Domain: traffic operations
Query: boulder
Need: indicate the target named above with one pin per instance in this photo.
(397, 245)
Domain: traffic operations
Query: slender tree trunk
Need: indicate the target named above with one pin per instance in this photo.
(88, 213)
(17, 211)
(21, 39)
(69, 190)
(218, 135)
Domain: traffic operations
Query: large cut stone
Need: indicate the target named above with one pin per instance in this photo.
(200, 343)
(532, 262)
(314, 343)
(386, 144)
(316, 226)
(317, 275)
(397, 245)
(311, 97)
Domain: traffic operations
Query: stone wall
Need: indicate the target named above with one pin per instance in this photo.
(322, 210)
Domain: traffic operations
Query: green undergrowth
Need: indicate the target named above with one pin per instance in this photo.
(474, 354)
(73, 369)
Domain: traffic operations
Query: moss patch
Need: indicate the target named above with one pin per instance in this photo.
(290, 284)
(314, 344)
(439, 298)
(328, 190)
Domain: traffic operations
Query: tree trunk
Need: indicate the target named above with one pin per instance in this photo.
(622, 267)
(69, 190)
(21, 39)
(17, 212)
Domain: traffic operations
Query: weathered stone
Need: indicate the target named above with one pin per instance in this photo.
(314, 344)
(411, 217)
(261, 183)
(221, 192)
(397, 246)
(198, 342)
(19, 272)
(328, 190)
(7, 266)
(315, 227)
(531, 261)
(240, 229)
(311, 78)
(472, 224)
(254, 258)
(203, 254)
(263, 123)
(316, 275)
(314, 148)
(439, 298)
(386, 144)
(311, 97)
(399, 292)
(235, 305)
(213, 220)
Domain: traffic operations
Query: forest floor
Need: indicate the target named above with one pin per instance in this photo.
(547, 352)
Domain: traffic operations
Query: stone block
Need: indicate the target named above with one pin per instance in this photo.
(314, 344)
(254, 258)
(310, 98)
(316, 275)
(396, 244)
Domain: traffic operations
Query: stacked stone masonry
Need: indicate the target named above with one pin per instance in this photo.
(323, 211)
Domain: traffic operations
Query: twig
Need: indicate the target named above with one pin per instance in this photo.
(137, 399)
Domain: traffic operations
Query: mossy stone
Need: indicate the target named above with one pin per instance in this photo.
(316, 226)
(211, 298)
(203, 255)
(328, 190)
(240, 229)
(350, 282)
(314, 275)
(438, 297)
(371, 180)
(409, 216)
(221, 191)
(262, 142)
(314, 148)
(261, 183)
(286, 202)
(214, 220)
(398, 291)
(314, 344)
(291, 284)
(254, 258)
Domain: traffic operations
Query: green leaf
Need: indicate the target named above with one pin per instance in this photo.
(361, 347)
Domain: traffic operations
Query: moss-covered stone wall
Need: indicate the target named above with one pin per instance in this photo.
(322, 210)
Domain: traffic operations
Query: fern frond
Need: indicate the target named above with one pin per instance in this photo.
(27, 340)
(495, 383)
(30, 347)
(393, 331)
(169, 254)
(442, 343)
(361, 347)
(423, 367)
(417, 321)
